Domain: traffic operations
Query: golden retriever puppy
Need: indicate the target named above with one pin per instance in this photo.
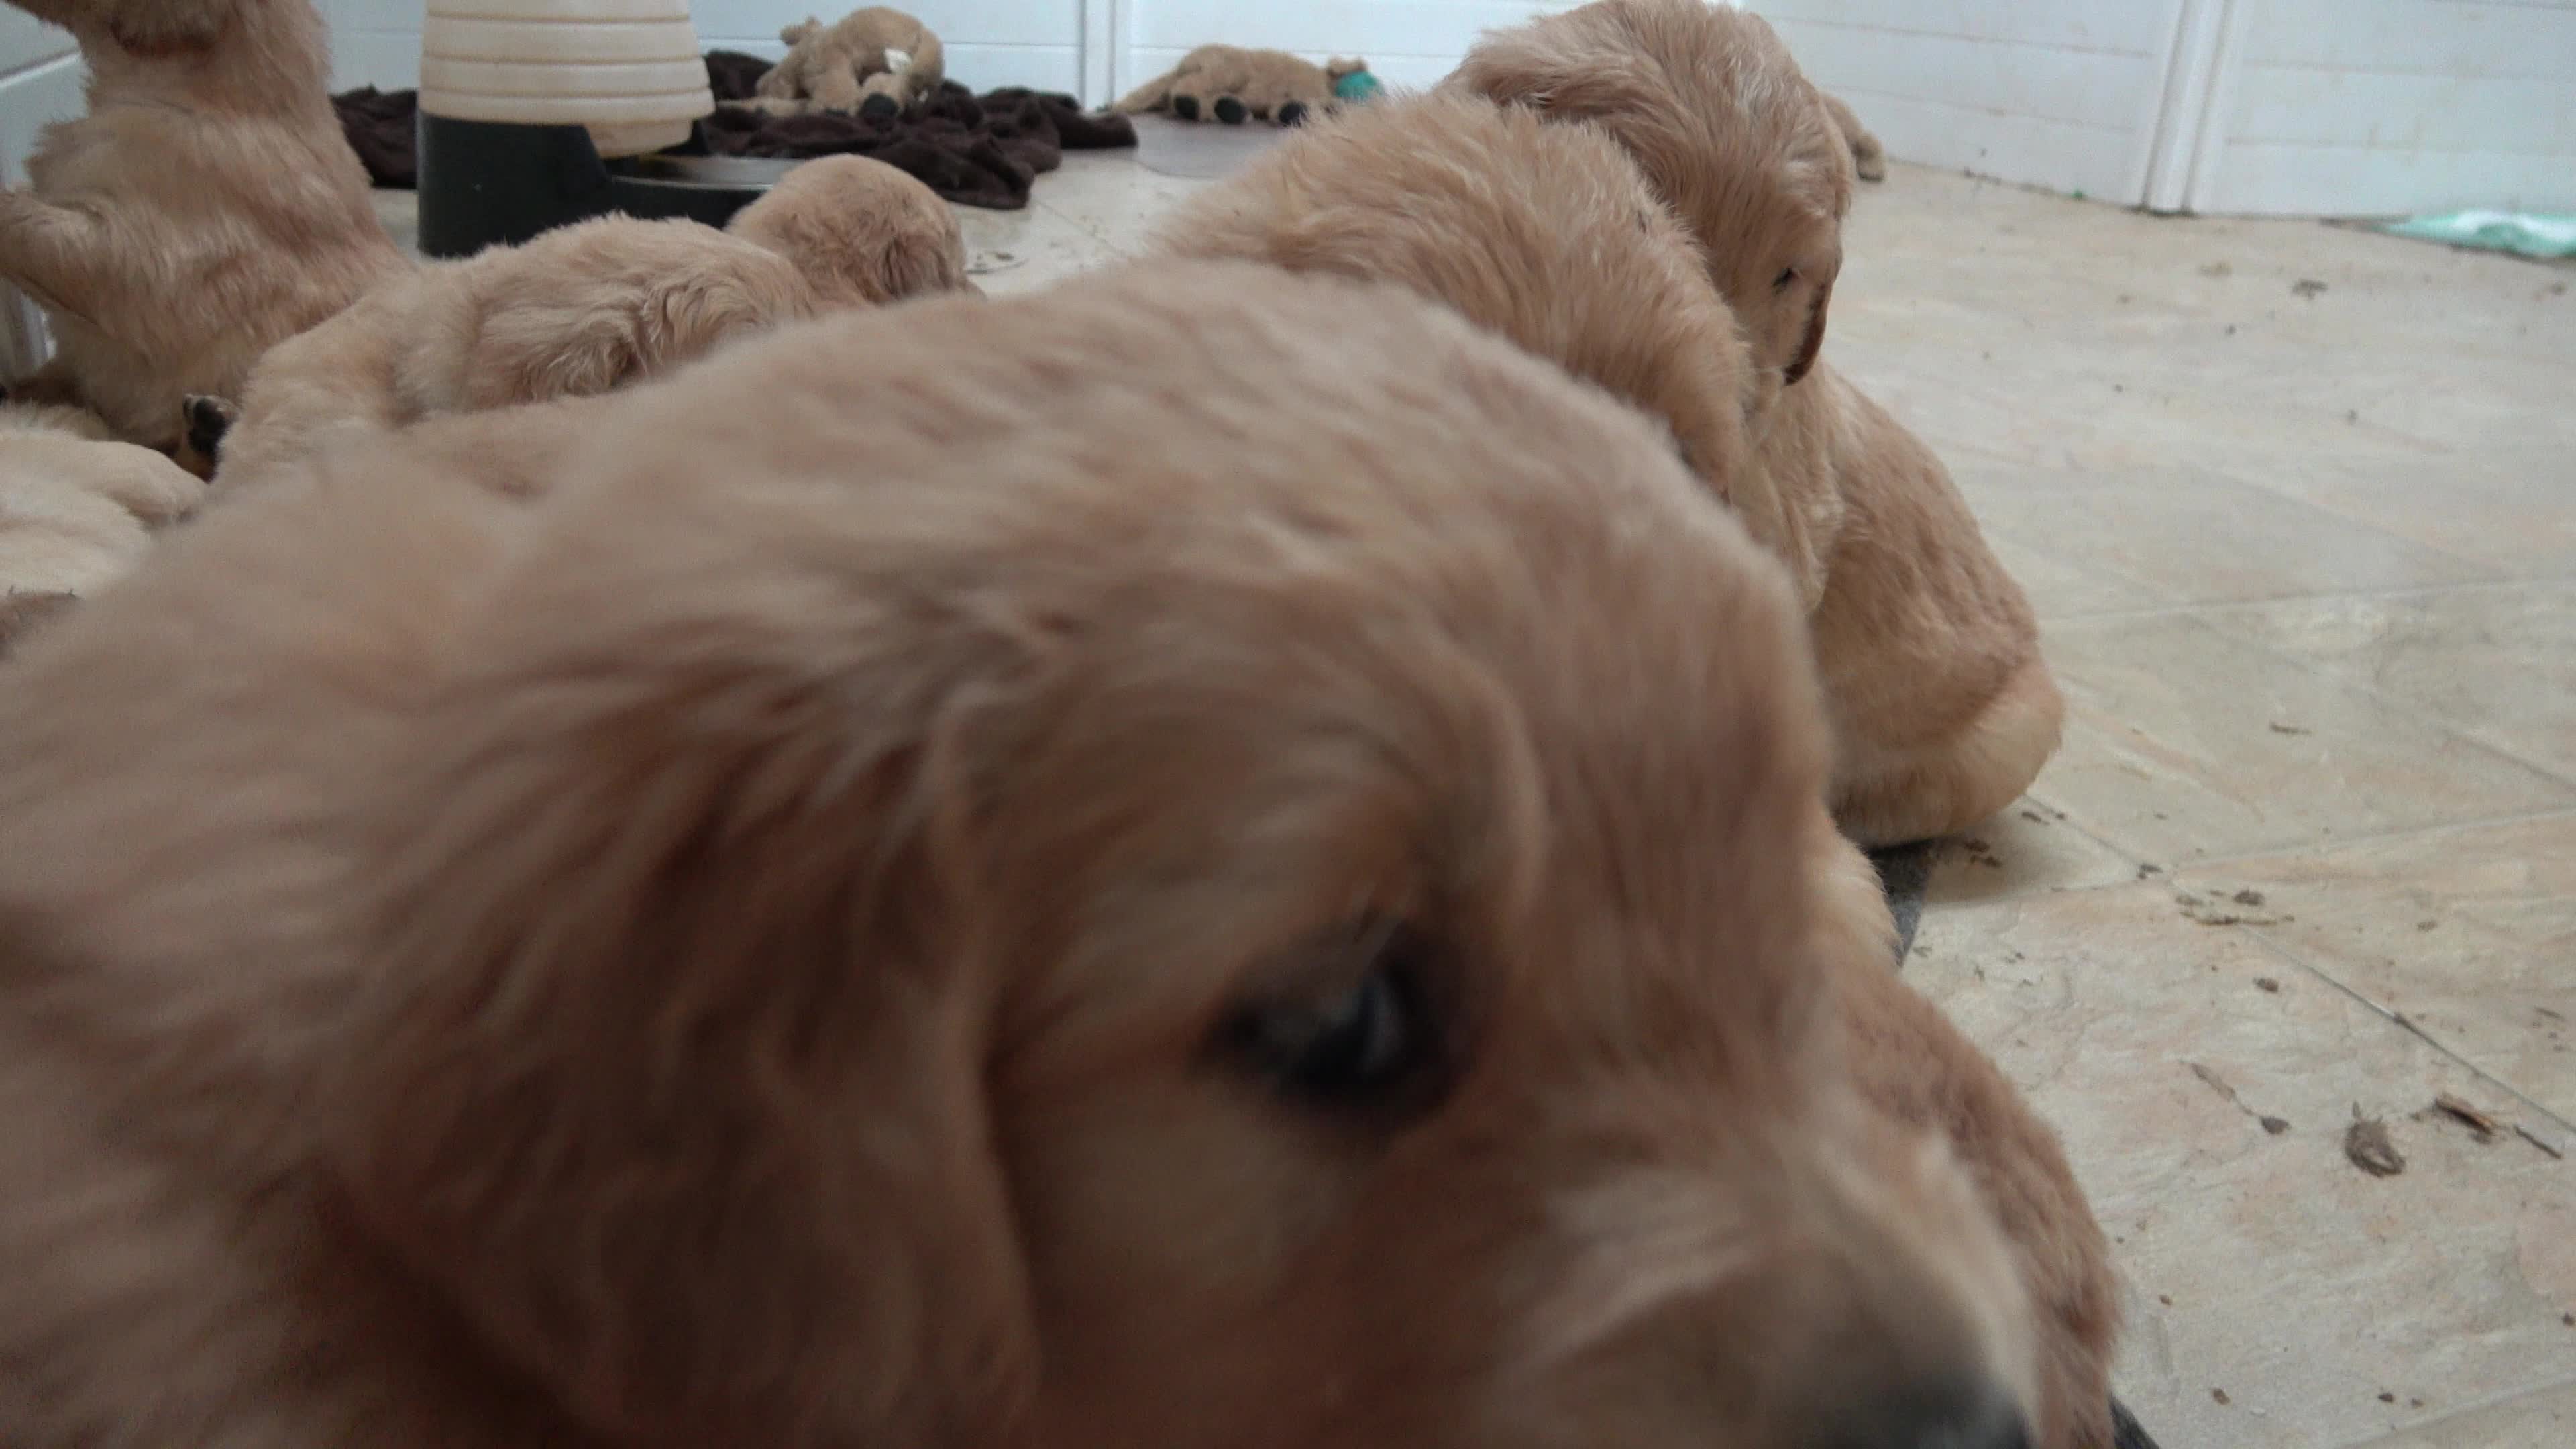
(862, 232)
(572, 313)
(77, 508)
(1545, 234)
(1232, 84)
(206, 208)
(1943, 710)
(1201, 859)
(874, 61)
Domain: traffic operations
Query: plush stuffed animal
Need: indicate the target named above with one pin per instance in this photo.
(1231, 84)
(875, 62)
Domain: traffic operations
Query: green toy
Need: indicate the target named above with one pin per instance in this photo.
(1359, 85)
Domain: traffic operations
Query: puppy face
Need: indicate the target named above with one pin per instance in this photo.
(1714, 109)
(1252, 875)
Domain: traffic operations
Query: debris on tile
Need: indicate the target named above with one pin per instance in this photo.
(2566, 1318)
(2460, 1110)
(2274, 1125)
(2034, 817)
(2150, 869)
(2536, 1140)
(2217, 269)
(2279, 728)
(1980, 852)
(2222, 913)
(2426, 925)
(2308, 287)
(2167, 1300)
(2386, 1397)
(2366, 1144)
(2267, 983)
(2218, 1396)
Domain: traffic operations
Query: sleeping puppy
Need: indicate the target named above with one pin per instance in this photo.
(572, 313)
(206, 207)
(1547, 235)
(77, 509)
(862, 232)
(1943, 710)
(1201, 859)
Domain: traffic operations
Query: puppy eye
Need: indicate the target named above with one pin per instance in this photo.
(1781, 282)
(1371, 1043)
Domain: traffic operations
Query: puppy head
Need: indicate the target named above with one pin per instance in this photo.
(588, 308)
(1716, 112)
(860, 231)
(148, 29)
(1204, 859)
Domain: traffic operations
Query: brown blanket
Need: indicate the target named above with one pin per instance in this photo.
(974, 150)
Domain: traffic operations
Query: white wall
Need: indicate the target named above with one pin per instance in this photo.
(2056, 93)
(988, 42)
(2393, 106)
(1406, 42)
(40, 83)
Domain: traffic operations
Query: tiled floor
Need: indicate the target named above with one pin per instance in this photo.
(2307, 561)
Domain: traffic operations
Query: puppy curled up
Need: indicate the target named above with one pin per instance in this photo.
(1205, 858)
(1943, 709)
(78, 509)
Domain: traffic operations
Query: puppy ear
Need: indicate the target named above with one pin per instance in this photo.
(1814, 340)
(795, 34)
(669, 1076)
(921, 266)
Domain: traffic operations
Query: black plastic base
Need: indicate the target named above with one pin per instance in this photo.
(490, 183)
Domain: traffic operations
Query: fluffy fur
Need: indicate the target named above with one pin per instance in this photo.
(860, 231)
(206, 208)
(1943, 710)
(1231, 84)
(574, 312)
(77, 509)
(1545, 234)
(872, 61)
(768, 948)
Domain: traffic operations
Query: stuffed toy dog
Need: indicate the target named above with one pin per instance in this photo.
(1231, 84)
(875, 61)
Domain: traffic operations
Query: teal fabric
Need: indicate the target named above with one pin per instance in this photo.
(2522, 233)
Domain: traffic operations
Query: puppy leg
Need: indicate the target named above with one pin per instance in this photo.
(1884, 796)
(63, 258)
(1192, 100)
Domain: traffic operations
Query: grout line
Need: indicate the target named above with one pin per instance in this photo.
(2383, 837)
(2476, 1406)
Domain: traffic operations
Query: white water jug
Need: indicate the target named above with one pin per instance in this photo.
(629, 70)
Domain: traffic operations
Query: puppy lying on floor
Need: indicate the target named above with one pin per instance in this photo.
(206, 208)
(1943, 710)
(77, 509)
(580, 311)
(1203, 859)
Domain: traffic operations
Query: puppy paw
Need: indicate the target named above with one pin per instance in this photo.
(1293, 114)
(880, 107)
(208, 419)
(1185, 107)
(1231, 111)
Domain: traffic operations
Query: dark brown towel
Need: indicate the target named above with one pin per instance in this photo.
(380, 129)
(974, 150)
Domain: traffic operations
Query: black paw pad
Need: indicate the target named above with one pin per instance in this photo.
(1186, 107)
(1231, 111)
(880, 107)
(209, 418)
(1293, 114)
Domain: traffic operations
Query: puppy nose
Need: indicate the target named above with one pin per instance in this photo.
(1945, 1414)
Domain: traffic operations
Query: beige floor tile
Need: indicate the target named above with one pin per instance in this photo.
(2184, 743)
(1025, 251)
(2030, 847)
(2500, 505)
(2470, 933)
(2497, 664)
(2060, 588)
(2264, 1266)
(1112, 197)
(2542, 1420)
(2191, 536)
